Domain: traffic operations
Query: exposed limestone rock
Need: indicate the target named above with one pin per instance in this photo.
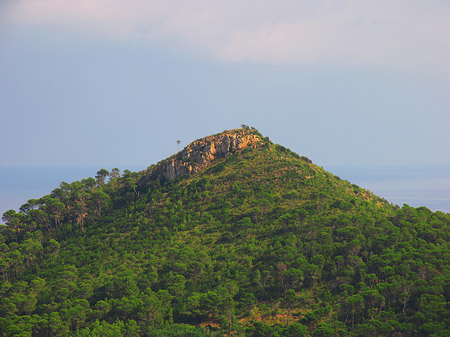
(202, 153)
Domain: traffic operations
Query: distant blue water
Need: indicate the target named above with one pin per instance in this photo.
(415, 186)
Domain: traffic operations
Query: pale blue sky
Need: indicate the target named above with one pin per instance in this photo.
(115, 83)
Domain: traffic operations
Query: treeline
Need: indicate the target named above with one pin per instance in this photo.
(264, 243)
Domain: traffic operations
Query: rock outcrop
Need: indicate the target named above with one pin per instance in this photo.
(202, 153)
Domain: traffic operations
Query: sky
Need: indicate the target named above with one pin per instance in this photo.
(115, 83)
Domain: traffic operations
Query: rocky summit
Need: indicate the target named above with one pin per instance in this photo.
(201, 153)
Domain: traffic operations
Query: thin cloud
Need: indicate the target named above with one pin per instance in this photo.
(399, 33)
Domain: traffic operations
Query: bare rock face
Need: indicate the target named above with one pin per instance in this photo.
(202, 153)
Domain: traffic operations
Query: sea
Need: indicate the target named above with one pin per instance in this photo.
(416, 186)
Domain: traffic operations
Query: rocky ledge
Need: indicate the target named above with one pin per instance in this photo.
(202, 153)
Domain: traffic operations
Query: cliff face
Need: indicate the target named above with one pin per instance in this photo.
(202, 153)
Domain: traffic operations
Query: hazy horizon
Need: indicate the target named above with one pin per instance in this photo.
(415, 186)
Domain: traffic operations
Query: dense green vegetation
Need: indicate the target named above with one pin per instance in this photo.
(262, 243)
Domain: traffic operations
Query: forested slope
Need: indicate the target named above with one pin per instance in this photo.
(233, 235)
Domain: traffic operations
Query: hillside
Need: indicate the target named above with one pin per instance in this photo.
(233, 235)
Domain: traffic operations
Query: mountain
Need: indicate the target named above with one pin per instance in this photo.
(233, 235)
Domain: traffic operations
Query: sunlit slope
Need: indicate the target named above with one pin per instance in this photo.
(234, 233)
